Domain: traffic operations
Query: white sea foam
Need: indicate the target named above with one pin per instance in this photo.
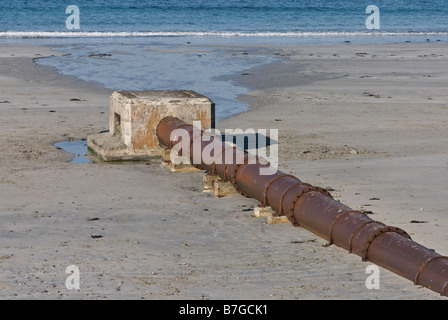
(107, 34)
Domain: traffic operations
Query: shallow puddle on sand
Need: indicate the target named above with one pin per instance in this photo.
(76, 147)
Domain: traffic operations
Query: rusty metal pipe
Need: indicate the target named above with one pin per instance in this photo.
(314, 209)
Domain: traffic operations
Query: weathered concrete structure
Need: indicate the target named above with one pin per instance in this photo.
(134, 116)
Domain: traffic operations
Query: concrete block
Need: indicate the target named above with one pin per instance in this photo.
(179, 167)
(263, 211)
(223, 188)
(272, 219)
(207, 182)
(108, 147)
(134, 116)
(165, 155)
(182, 167)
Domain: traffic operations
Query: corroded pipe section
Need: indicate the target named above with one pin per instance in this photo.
(314, 209)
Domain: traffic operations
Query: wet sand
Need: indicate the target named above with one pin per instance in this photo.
(367, 121)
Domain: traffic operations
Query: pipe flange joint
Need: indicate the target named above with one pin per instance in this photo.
(233, 181)
(339, 216)
(416, 279)
(290, 212)
(265, 193)
(376, 233)
(445, 289)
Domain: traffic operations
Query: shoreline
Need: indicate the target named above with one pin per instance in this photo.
(193, 246)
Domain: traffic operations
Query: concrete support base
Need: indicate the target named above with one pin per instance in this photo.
(213, 183)
(108, 147)
(182, 167)
(277, 219)
(207, 182)
(268, 212)
(179, 167)
(223, 188)
(263, 211)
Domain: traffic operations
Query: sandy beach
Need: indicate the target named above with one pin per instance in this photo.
(365, 121)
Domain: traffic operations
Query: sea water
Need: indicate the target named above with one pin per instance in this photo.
(167, 44)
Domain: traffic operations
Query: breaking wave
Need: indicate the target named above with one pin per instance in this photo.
(107, 34)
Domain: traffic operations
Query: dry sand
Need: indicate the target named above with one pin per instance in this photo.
(368, 121)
